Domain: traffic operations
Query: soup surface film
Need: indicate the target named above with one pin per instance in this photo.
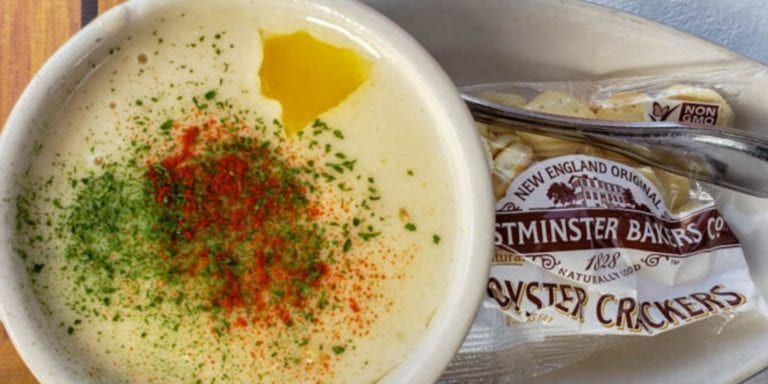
(183, 223)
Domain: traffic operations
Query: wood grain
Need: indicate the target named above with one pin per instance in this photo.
(105, 5)
(30, 31)
(12, 369)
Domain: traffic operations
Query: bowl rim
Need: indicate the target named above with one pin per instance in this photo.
(468, 271)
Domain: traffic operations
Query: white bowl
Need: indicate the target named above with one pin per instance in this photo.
(19, 310)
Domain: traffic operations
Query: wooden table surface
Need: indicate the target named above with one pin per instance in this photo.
(30, 31)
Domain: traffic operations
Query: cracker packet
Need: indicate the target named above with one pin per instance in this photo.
(592, 248)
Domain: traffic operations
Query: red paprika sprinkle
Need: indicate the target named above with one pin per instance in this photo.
(235, 218)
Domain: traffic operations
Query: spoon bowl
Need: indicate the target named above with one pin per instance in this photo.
(726, 157)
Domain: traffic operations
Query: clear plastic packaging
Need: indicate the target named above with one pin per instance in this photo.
(594, 249)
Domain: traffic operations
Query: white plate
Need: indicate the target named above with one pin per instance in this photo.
(514, 40)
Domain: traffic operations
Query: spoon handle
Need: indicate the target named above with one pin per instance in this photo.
(729, 158)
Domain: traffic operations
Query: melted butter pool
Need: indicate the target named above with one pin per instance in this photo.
(308, 76)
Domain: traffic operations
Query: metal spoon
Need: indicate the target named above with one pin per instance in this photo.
(730, 158)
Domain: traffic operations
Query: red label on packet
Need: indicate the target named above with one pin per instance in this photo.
(589, 245)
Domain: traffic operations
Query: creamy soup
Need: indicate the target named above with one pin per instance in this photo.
(194, 216)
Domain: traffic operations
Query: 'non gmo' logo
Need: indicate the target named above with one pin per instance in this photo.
(704, 114)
